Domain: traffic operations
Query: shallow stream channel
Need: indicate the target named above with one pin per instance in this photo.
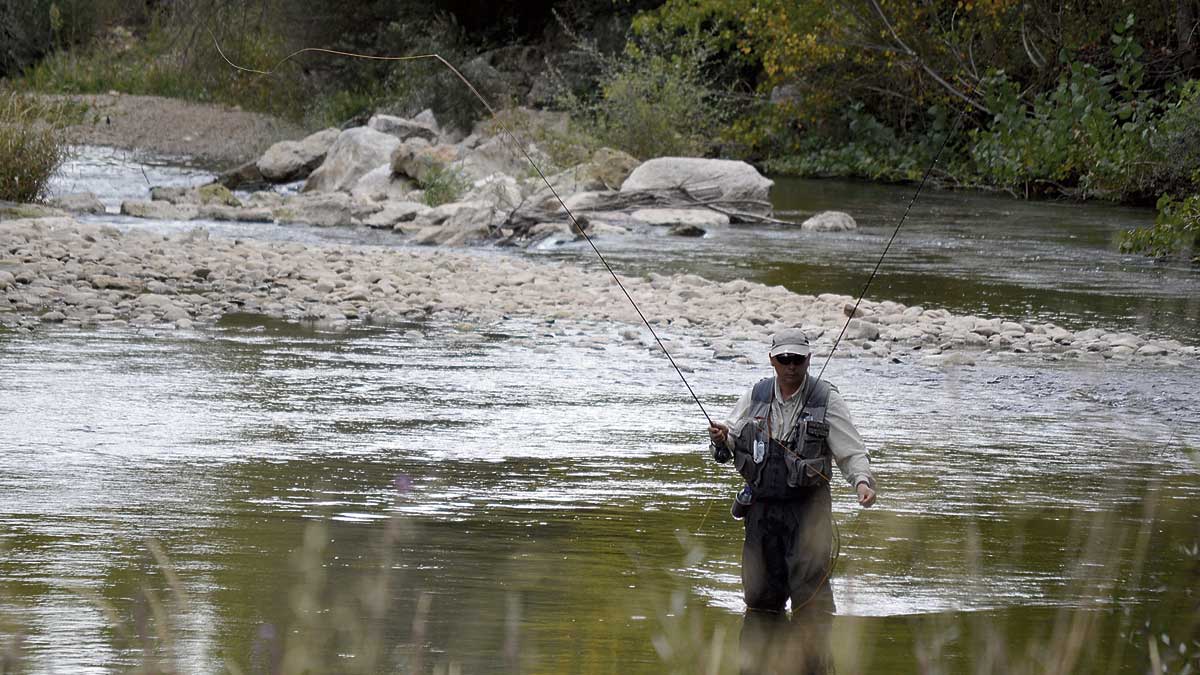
(533, 495)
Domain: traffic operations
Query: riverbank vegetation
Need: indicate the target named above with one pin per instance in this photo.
(1035, 99)
(31, 146)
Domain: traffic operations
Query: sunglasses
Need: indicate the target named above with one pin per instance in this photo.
(789, 359)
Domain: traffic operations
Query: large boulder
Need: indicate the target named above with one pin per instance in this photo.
(499, 190)
(395, 214)
(404, 129)
(292, 160)
(499, 155)
(381, 185)
(830, 221)
(245, 177)
(606, 170)
(355, 152)
(466, 222)
(418, 160)
(740, 186)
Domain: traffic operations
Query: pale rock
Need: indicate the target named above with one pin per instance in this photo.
(499, 155)
(696, 217)
(439, 214)
(403, 129)
(586, 201)
(381, 185)
(1152, 350)
(158, 210)
(829, 221)
(735, 182)
(500, 190)
(975, 341)
(235, 214)
(394, 214)
(355, 152)
(427, 118)
(419, 161)
(333, 209)
(858, 329)
(287, 161)
(78, 202)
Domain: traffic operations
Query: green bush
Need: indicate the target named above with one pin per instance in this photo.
(655, 99)
(1176, 230)
(163, 63)
(443, 185)
(31, 147)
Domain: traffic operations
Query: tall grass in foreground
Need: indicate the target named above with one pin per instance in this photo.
(31, 146)
(1122, 610)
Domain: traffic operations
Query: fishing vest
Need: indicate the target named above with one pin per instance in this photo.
(790, 467)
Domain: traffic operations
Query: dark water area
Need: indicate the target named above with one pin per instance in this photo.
(535, 496)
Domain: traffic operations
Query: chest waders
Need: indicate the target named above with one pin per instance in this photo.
(789, 531)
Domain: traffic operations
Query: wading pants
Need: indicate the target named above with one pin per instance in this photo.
(786, 553)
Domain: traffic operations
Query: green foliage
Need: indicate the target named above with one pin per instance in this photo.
(657, 98)
(162, 64)
(443, 185)
(31, 147)
(556, 134)
(1176, 230)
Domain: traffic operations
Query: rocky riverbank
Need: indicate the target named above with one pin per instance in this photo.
(58, 270)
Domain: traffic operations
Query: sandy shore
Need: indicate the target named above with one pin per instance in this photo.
(57, 270)
(215, 136)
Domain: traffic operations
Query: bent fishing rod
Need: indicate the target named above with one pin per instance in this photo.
(512, 139)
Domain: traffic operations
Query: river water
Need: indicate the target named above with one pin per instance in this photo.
(532, 496)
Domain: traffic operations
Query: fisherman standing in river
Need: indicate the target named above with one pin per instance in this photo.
(784, 435)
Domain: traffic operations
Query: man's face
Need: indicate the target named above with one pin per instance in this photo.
(790, 368)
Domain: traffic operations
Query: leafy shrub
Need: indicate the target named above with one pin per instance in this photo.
(31, 147)
(1176, 230)
(556, 134)
(443, 185)
(655, 99)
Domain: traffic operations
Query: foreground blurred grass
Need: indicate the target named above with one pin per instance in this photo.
(1114, 608)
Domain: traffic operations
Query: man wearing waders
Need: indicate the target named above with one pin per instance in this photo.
(784, 435)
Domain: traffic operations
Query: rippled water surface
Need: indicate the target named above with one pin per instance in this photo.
(534, 496)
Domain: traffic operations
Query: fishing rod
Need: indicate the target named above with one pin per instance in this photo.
(520, 147)
(511, 138)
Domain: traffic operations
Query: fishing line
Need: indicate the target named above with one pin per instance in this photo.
(512, 139)
(836, 552)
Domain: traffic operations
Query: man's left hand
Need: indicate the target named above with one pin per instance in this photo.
(866, 496)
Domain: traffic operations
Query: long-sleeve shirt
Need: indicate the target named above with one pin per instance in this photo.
(844, 442)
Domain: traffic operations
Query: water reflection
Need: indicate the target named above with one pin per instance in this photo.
(526, 469)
